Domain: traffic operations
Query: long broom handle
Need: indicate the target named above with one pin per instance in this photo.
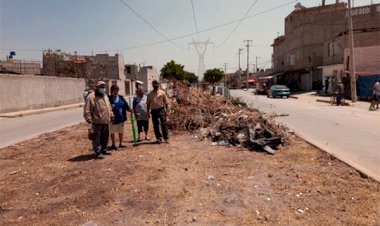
(133, 128)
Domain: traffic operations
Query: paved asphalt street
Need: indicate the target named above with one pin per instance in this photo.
(350, 134)
(14, 130)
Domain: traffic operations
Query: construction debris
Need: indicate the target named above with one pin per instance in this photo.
(225, 122)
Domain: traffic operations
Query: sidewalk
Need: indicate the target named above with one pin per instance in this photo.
(312, 97)
(39, 111)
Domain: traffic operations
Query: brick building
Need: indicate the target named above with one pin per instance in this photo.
(24, 67)
(316, 41)
(60, 64)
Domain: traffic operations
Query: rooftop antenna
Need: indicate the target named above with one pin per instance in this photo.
(201, 47)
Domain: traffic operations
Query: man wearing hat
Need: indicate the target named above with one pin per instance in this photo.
(157, 102)
(98, 114)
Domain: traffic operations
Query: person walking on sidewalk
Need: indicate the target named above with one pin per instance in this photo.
(141, 114)
(327, 85)
(375, 96)
(157, 102)
(339, 93)
(98, 113)
(119, 109)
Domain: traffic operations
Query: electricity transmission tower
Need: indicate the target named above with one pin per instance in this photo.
(201, 47)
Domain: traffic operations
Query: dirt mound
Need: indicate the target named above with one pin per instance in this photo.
(225, 121)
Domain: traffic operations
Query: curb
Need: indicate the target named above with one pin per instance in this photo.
(341, 158)
(327, 101)
(39, 111)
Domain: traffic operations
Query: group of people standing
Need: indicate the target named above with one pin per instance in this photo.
(106, 116)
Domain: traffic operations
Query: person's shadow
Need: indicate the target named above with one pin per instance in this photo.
(83, 158)
(144, 143)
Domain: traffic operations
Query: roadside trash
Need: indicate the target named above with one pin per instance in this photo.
(224, 121)
(210, 177)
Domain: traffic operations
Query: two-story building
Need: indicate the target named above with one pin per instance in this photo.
(316, 40)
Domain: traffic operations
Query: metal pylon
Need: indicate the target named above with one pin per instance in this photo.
(201, 47)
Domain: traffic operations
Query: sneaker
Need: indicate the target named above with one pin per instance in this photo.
(138, 138)
(122, 146)
(104, 152)
(98, 154)
(147, 137)
(113, 147)
(159, 141)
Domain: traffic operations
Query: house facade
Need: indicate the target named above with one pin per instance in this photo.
(316, 42)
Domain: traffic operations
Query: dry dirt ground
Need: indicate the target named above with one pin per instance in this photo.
(54, 180)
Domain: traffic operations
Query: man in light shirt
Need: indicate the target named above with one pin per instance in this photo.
(157, 103)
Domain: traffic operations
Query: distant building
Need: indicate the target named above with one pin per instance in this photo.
(60, 64)
(315, 43)
(14, 66)
(147, 74)
(143, 76)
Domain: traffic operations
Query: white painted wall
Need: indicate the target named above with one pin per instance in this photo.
(25, 92)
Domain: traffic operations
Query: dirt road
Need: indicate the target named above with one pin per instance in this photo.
(53, 180)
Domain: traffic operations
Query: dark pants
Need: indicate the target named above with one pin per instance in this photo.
(338, 99)
(142, 125)
(159, 117)
(100, 142)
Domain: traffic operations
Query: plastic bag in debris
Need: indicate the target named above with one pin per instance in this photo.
(241, 137)
(203, 133)
(221, 143)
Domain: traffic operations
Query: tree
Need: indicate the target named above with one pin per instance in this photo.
(190, 77)
(172, 70)
(212, 76)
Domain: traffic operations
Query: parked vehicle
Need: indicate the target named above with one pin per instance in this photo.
(263, 84)
(278, 91)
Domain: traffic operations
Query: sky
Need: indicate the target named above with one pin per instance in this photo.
(111, 26)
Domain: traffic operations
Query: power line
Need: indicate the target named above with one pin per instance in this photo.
(216, 10)
(241, 20)
(195, 20)
(149, 24)
(178, 37)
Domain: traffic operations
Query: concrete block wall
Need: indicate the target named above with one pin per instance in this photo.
(26, 92)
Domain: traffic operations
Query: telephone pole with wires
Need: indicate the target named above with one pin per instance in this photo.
(239, 68)
(248, 44)
(239, 53)
(225, 74)
(352, 56)
(201, 47)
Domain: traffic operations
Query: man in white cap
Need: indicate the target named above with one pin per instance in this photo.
(98, 114)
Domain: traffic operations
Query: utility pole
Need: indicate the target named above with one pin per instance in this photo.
(239, 68)
(239, 53)
(256, 64)
(247, 45)
(352, 56)
(225, 74)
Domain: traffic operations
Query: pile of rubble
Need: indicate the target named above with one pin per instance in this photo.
(225, 122)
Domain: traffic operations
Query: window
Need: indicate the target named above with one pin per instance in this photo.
(128, 69)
